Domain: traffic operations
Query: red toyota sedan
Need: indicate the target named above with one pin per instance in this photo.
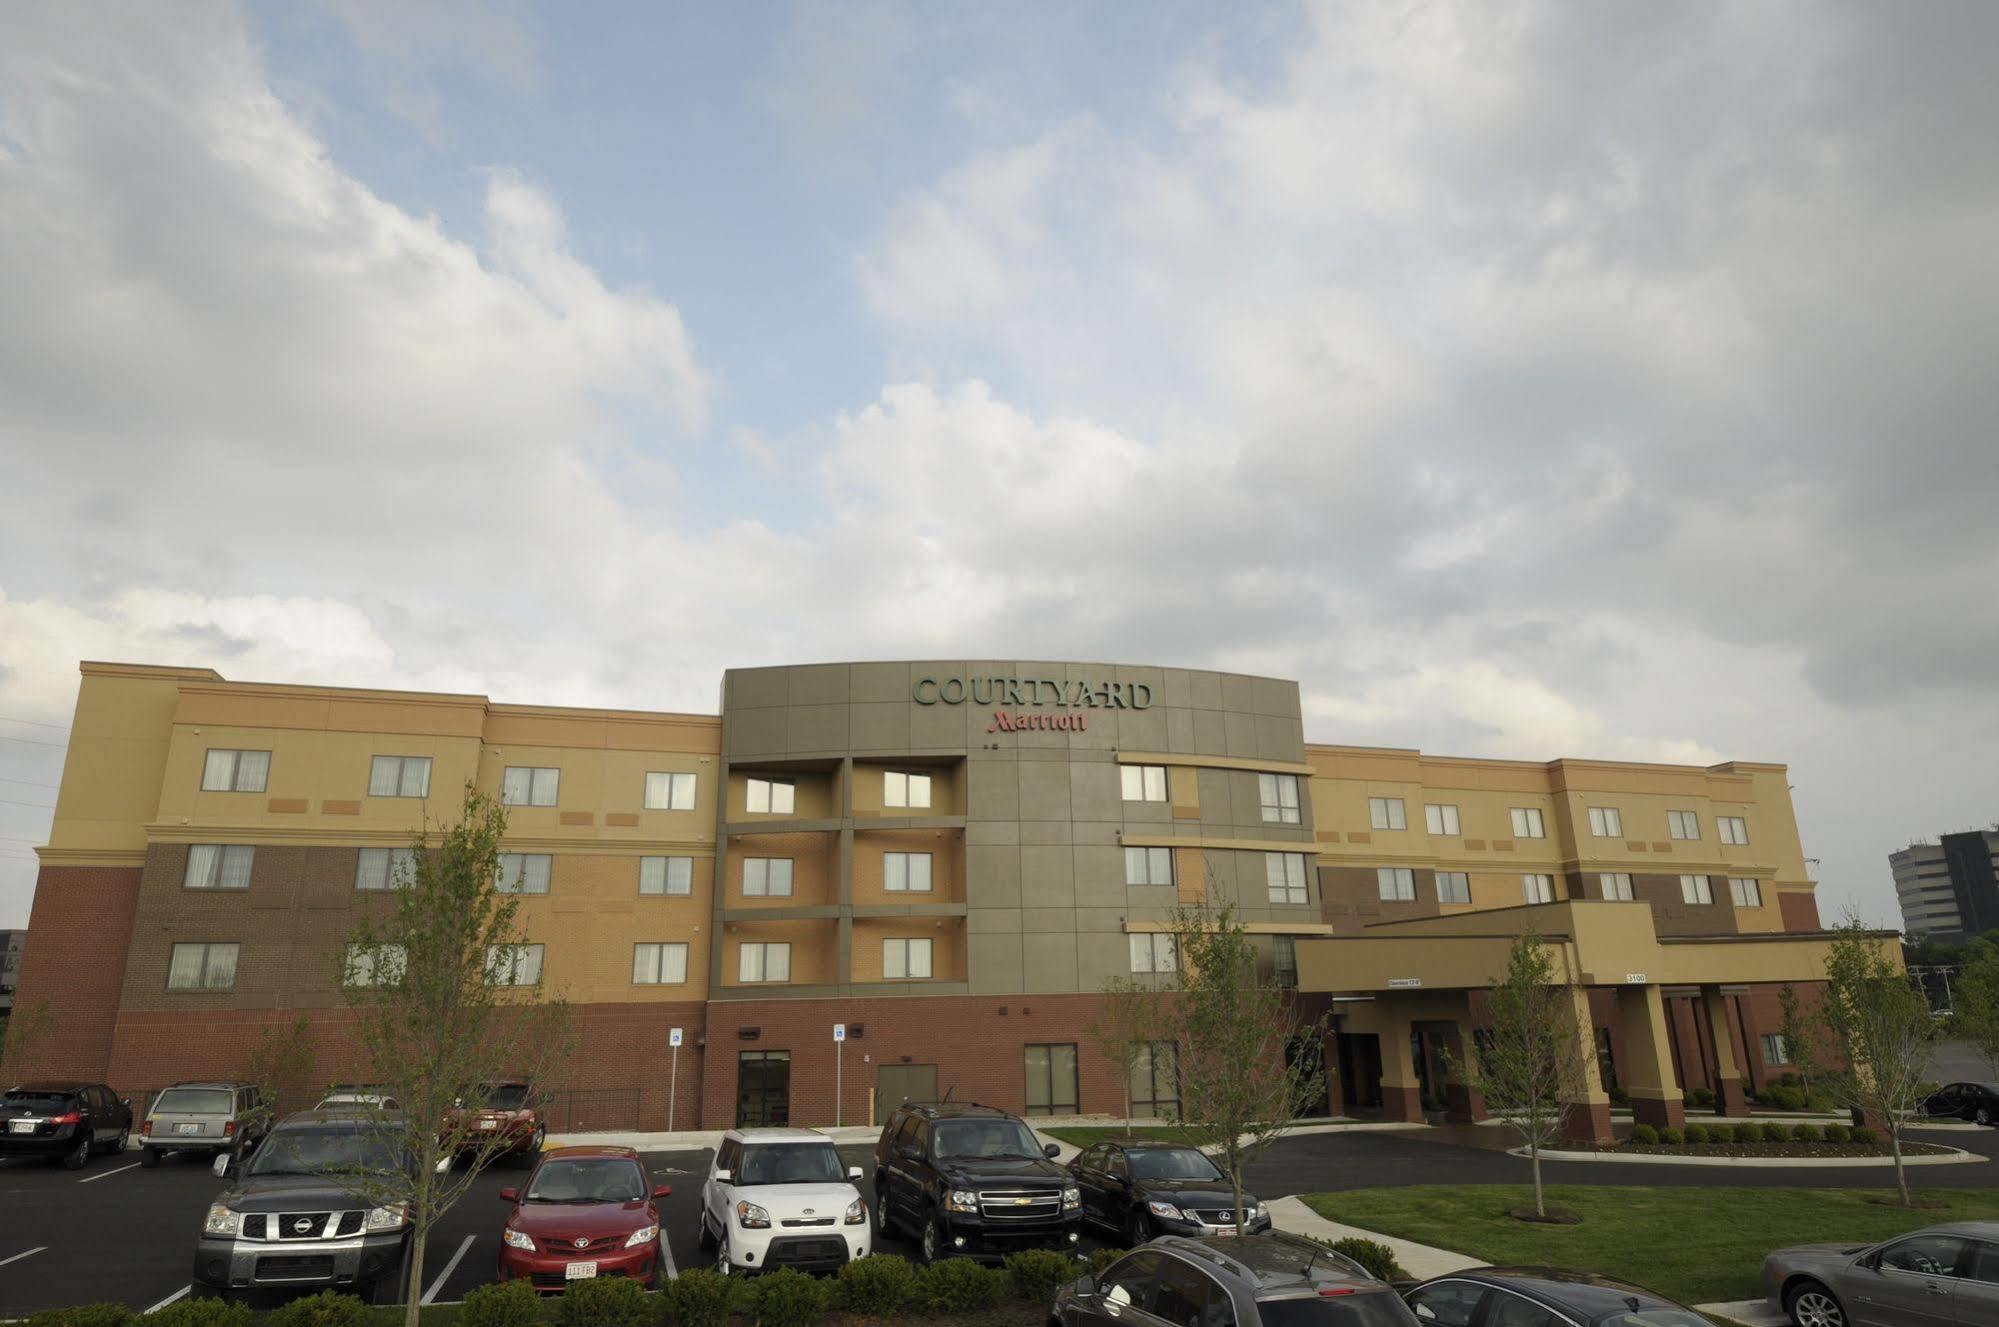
(585, 1212)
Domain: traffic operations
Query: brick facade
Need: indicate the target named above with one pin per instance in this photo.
(81, 924)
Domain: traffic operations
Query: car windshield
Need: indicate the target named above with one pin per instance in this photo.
(587, 1180)
(1379, 1308)
(326, 1151)
(790, 1163)
(983, 1138)
(196, 1101)
(39, 1100)
(1171, 1163)
(497, 1096)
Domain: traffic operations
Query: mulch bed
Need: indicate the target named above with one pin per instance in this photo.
(1761, 1149)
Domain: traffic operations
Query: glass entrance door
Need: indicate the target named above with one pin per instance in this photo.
(763, 1089)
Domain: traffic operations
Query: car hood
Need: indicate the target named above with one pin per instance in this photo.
(958, 1169)
(1203, 1194)
(297, 1193)
(589, 1220)
(790, 1201)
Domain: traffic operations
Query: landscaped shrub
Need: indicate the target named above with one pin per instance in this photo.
(701, 1297)
(604, 1301)
(959, 1285)
(501, 1304)
(1037, 1272)
(878, 1284)
(1806, 1133)
(1782, 1098)
(790, 1298)
(85, 1315)
(1644, 1135)
(1376, 1257)
(1838, 1133)
(1701, 1096)
(325, 1309)
(1862, 1134)
(1672, 1137)
(1619, 1097)
(1100, 1259)
(1696, 1135)
(200, 1313)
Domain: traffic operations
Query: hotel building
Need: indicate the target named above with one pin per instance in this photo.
(947, 859)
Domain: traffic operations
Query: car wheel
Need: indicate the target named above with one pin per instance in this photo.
(530, 1154)
(884, 1228)
(1137, 1228)
(707, 1240)
(722, 1263)
(1983, 1115)
(77, 1155)
(149, 1156)
(117, 1145)
(934, 1242)
(1812, 1305)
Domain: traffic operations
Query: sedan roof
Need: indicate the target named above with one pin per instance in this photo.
(1585, 1293)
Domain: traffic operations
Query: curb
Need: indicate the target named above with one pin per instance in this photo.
(1749, 1312)
(1421, 1260)
(1956, 1157)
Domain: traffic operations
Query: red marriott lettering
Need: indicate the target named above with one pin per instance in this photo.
(1013, 723)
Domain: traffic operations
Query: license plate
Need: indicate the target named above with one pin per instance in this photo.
(22, 1126)
(1225, 1230)
(187, 1128)
(580, 1271)
(489, 1123)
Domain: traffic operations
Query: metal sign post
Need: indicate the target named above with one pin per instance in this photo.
(673, 1083)
(839, 1064)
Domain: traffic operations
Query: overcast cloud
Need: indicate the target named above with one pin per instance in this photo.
(1525, 379)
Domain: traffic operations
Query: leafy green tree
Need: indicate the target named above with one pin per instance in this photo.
(1975, 1001)
(1130, 1018)
(1804, 1038)
(1883, 1029)
(281, 1066)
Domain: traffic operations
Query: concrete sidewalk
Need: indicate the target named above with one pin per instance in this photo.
(1420, 1260)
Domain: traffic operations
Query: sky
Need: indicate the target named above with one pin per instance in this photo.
(1525, 379)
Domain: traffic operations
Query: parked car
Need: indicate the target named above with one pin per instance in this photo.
(210, 1118)
(1945, 1274)
(585, 1212)
(1977, 1102)
(782, 1198)
(299, 1214)
(504, 1115)
(1269, 1280)
(1542, 1297)
(63, 1121)
(350, 1097)
(1141, 1189)
(971, 1181)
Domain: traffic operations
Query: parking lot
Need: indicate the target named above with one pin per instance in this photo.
(118, 1231)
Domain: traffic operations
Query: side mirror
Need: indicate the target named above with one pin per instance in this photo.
(510, 1195)
(908, 1151)
(662, 1191)
(221, 1167)
(853, 1172)
(721, 1177)
(1051, 1151)
(125, 1101)
(443, 1166)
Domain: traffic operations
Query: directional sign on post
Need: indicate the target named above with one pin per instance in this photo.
(839, 1032)
(673, 1037)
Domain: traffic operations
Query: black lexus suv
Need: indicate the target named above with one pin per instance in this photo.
(971, 1181)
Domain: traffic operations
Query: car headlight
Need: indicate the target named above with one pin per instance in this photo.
(643, 1235)
(751, 1217)
(222, 1220)
(857, 1212)
(391, 1217)
(962, 1200)
(1166, 1211)
(515, 1239)
(1071, 1197)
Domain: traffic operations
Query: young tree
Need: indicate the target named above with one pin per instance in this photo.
(1238, 1089)
(281, 1066)
(1803, 1036)
(1128, 1022)
(1882, 1026)
(446, 995)
(1531, 1051)
(1975, 1002)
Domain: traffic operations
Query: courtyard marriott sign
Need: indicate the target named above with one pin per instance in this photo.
(1032, 691)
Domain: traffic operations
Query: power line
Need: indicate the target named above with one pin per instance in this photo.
(34, 723)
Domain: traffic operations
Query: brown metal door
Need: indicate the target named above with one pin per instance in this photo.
(897, 1083)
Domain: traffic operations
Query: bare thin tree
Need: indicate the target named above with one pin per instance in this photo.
(1882, 1026)
(1128, 1023)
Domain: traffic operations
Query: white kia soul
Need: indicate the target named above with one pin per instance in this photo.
(781, 1198)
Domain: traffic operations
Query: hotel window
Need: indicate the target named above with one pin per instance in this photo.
(384, 868)
(1776, 1049)
(399, 776)
(1683, 824)
(1745, 893)
(1442, 820)
(905, 790)
(1537, 888)
(758, 961)
(1527, 823)
(906, 872)
(669, 792)
(1605, 822)
(770, 797)
(1279, 795)
(1284, 970)
(524, 873)
(1396, 884)
(767, 877)
(1148, 866)
(513, 965)
(1696, 889)
(659, 965)
(218, 866)
(1154, 953)
(373, 965)
(905, 960)
(1453, 887)
(1051, 1078)
(1143, 783)
(202, 967)
(235, 771)
(1386, 813)
(1285, 874)
(1616, 886)
(523, 785)
(1732, 829)
(666, 875)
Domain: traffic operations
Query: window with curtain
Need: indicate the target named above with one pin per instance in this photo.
(906, 791)
(1605, 822)
(374, 965)
(906, 960)
(906, 872)
(1386, 813)
(1683, 825)
(1616, 886)
(1442, 820)
(663, 964)
(1527, 823)
(1279, 795)
(399, 776)
(1744, 892)
(1396, 884)
(1284, 874)
(666, 875)
(763, 961)
(1143, 783)
(229, 771)
(524, 872)
(669, 792)
(770, 797)
(766, 877)
(524, 785)
(1537, 888)
(1732, 829)
(513, 965)
(384, 868)
(205, 966)
(1453, 887)
(1148, 866)
(218, 866)
(1155, 952)
(1696, 889)
(1051, 1078)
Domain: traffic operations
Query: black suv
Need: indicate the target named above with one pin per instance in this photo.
(971, 1181)
(1273, 1280)
(63, 1121)
(299, 1216)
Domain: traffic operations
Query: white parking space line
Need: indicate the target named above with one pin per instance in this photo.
(174, 1297)
(39, 1248)
(107, 1174)
(666, 1253)
(431, 1294)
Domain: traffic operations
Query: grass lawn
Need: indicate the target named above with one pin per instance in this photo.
(1696, 1245)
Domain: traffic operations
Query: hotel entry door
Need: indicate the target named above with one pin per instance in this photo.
(897, 1083)
(763, 1089)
